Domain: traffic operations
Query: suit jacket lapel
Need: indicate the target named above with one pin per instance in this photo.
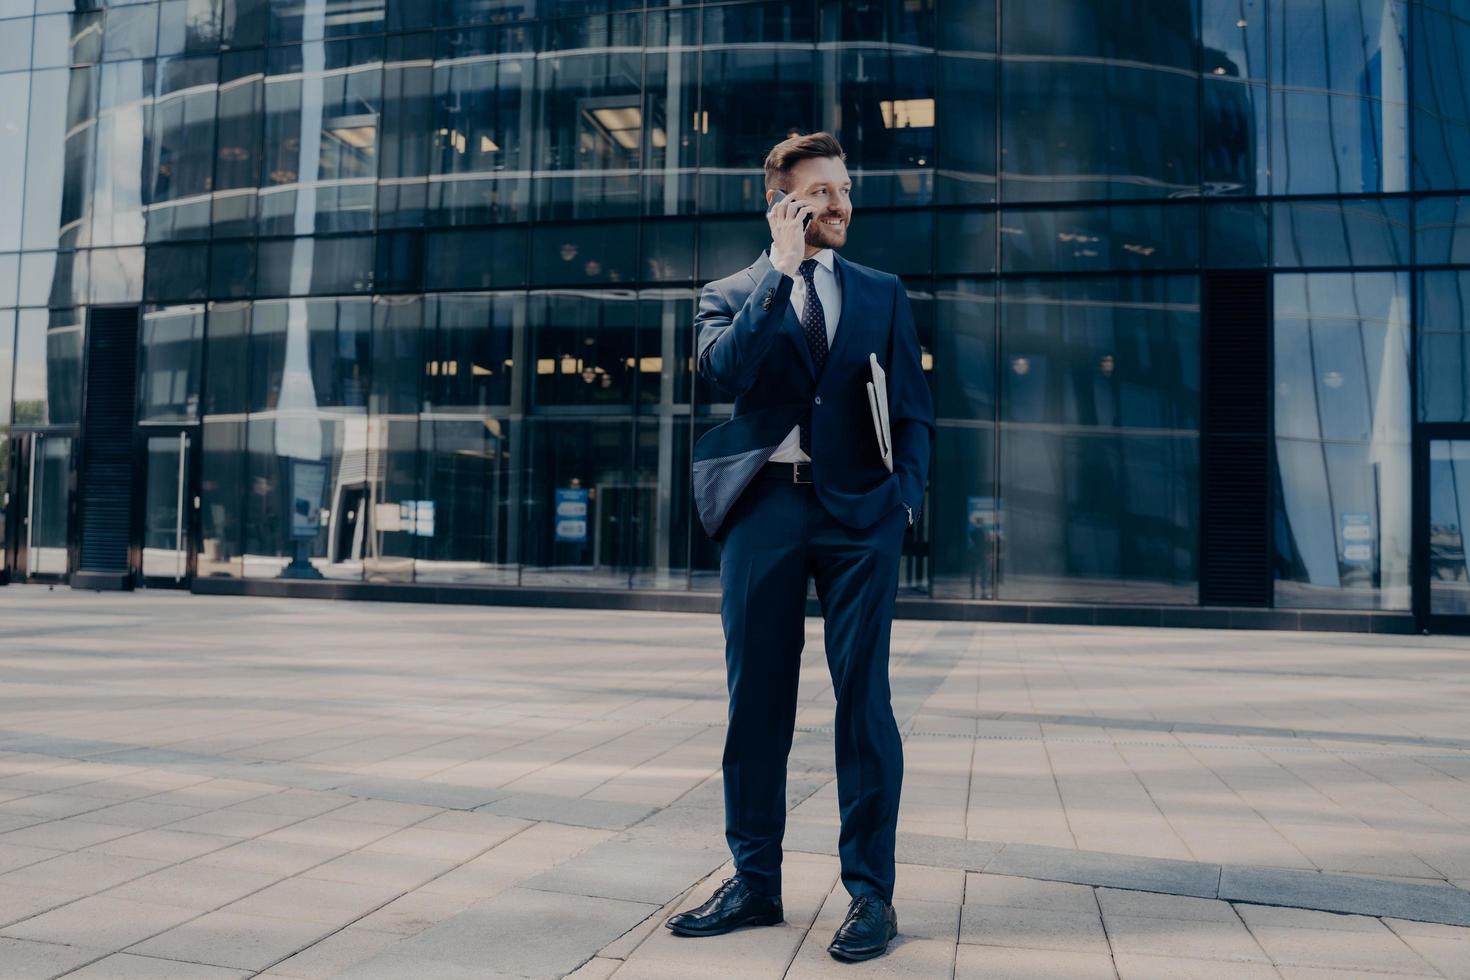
(847, 321)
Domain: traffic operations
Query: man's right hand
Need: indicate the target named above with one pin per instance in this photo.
(788, 233)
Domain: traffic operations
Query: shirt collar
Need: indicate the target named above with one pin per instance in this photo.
(826, 258)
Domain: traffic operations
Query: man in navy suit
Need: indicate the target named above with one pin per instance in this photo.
(795, 486)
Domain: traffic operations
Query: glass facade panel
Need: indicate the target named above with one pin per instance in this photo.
(1342, 440)
(1099, 440)
(1444, 346)
(1441, 95)
(1449, 509)
(48, 368)
(1340, 115)
(170, 353)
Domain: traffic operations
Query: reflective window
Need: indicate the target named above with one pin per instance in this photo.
(237, 151)
(1096, 238)
(1449, 510)
(15, 92)
(1234, 137)
(585, 504)
(469, 531)
(1442, 226)
(883, 109)
(1341, 232)
(404, 140)
(132, 32)
(481, 143)
(315, 266)
(124, 110)
(1340, 104)
(170, 350)
(188, 26)
(468, 354)
(46, 146)
(671, 94)
(181, 152)
(582, 254)
(1441, 95)
(591, 126)
(1444, 346)
(176, 272)
(1233, 38)
(311, 20)
(309, 353)
(1097, 103)
(757, 85)
(963, 519)
(1342, 440)
(1099, 441)
(15, 45)
(226, 369)
(7, 373)
(583, 347)
(964, 127)
(48, 368)
(319, 164)
(222, 493)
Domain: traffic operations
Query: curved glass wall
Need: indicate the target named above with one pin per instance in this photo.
(422, 275)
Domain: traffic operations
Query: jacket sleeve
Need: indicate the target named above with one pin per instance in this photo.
(734, 342)
(910, 404)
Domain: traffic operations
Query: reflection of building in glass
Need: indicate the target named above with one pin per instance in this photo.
(414, 282)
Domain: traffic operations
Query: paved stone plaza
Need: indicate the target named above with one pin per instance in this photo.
(200, 788)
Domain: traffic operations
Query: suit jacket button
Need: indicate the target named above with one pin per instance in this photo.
(819, 399)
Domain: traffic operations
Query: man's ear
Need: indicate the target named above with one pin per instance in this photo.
(770, 193)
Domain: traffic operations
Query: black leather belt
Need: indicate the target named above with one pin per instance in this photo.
(790, 472)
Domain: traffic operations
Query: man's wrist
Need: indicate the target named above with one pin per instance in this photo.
(779, 262)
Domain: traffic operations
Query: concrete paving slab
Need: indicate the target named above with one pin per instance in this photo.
(126, 966)
(1011, 963)
(100, 922)
(521, 932)
(26, 960)
(225, 938)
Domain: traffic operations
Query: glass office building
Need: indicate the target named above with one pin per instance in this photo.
(395, 297)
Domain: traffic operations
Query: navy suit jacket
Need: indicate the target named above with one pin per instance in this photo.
(751, 345)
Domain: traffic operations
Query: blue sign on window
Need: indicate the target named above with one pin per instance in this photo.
(571, 514)
(1357, 538)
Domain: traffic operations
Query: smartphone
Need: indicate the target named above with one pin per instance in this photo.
(780, 196)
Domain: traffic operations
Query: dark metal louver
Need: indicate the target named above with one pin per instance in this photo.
(105, 480)
(1235, 567)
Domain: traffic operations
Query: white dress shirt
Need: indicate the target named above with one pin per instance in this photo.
(825, 278)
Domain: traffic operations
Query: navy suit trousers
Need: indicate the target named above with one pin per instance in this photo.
(780, 537)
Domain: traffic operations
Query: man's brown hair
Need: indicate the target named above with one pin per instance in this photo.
(789, 152)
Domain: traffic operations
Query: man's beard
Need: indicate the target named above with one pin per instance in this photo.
(817, 235)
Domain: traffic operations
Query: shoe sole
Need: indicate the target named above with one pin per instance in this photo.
(700, 933)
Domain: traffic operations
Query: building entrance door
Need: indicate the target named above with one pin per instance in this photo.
(169, 505)
(1442, 590)
(38, 508)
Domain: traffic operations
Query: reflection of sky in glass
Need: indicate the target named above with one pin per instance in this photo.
(1342, 434)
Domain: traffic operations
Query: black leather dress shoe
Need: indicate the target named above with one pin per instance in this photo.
(731, 906)
(864, 934)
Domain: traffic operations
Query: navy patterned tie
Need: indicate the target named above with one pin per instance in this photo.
(814, 325)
